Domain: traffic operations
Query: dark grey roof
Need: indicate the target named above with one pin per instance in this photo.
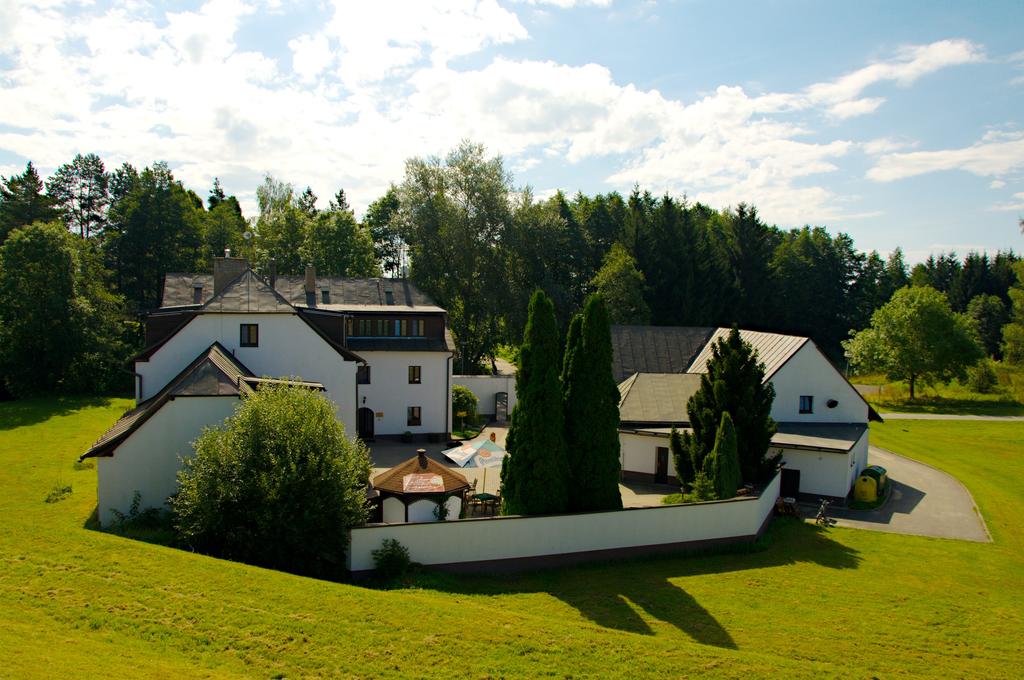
(656, 398)
(179, 291)
(247, 293)
(835, 437)
(445, 344)
(655, 349)
(214, 373)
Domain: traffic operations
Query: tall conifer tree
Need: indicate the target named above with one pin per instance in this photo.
(722, 466)
(591, 411)
(734, 383)
(535, 475)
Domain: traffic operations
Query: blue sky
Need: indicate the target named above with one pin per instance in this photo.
(899, 123)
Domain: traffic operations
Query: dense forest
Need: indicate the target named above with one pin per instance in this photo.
(84, 253)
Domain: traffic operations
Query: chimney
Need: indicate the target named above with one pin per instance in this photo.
(422, 453)
(272, 265)
(310, 279)
(226, 270)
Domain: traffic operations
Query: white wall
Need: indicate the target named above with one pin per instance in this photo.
(394, 510)
(287, 348)
(828, 474)
(390, 393)
(149, 460)
(485, 387)
(475, 540)
(808, 372)
(638, 453)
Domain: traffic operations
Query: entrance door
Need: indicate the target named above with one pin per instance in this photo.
(364, 424)
(661, 466)
(789, 485)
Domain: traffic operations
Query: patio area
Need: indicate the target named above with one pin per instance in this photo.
(385, 454)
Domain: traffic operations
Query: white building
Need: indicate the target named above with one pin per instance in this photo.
(379, 349)
(822, 420)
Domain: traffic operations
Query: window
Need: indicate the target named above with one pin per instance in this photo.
(197, 294)
(389, 297)
(417, 328)
(250, 335)
(325, 296)
(383, 328)
(414, 416)
(364, 327)
(414, 375)
(401, 327)
(363, 374)
(806, 404)
(348, 326)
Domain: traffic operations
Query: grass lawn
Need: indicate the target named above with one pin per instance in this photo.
(75, 602)
(1007, 399)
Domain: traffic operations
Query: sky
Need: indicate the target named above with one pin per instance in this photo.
(899, 123)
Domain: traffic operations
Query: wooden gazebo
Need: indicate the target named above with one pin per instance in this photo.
(412, 491)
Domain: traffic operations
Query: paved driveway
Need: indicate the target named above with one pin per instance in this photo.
(924, 501)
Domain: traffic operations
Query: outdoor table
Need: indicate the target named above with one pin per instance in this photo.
(489, 500)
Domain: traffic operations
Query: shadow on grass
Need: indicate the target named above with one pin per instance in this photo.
(1001, 406)
(35, 410)
(612, 594)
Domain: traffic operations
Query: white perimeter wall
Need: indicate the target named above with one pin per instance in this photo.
(808, 372)
(485, 387)
(149, 460)
(639, 453)
(390, 393)
(476, 540)
(287, 348)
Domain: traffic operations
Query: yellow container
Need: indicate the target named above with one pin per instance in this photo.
(866, 489)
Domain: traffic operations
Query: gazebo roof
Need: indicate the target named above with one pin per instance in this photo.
(420, 475)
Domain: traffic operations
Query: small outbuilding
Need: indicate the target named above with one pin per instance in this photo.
(414, 491)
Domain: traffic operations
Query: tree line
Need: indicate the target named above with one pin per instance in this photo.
(461, 229)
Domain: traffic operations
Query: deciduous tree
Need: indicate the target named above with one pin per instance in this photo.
(621, 284)
(916, 337)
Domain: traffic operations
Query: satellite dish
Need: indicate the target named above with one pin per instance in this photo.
(247, 235)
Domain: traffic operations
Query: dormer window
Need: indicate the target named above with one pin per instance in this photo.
(325, 296)
(389, 297)
(197, 294)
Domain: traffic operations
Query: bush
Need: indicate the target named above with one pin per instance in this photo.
(463, 400)
(391, 559)
(278, 487)
(981, 378)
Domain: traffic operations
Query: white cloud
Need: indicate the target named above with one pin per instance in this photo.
(1016, 205)
(997, 153)
(566, 4)
(381, 82)
(996, 184)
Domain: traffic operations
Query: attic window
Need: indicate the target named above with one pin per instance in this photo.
(389, 297)
(806, 404)
(325, 296)
(197, 294)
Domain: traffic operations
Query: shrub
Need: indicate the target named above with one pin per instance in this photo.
(391, 559)
(463, 401)
(703, 489)
(278, 486)
(981, 378)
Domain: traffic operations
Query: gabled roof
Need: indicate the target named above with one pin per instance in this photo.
(248, 293)
(773, 349)
(214, 373)
(656, 398)
(393, 480)
(655, 349)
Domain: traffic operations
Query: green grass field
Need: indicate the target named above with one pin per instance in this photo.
(1006, 399)
(75, 602)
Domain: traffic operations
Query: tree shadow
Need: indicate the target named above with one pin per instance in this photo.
(612, 594)
(902, 500)
(35, 410)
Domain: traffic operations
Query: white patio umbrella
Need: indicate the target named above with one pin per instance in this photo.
(481, 454)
